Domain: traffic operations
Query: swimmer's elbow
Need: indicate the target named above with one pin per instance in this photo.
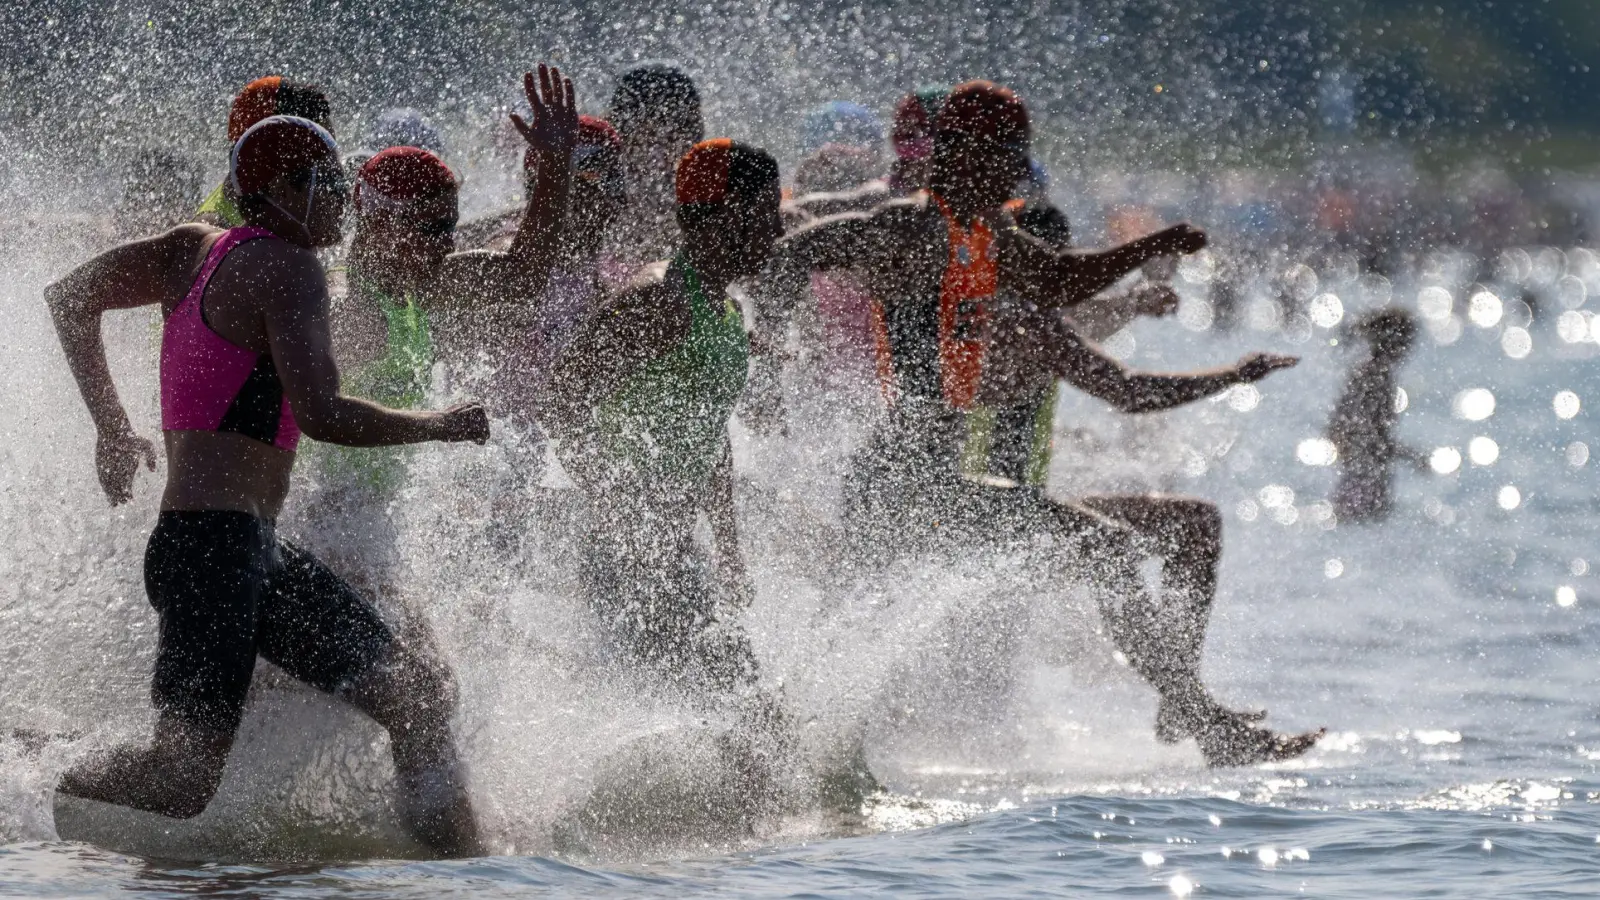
(57, 300)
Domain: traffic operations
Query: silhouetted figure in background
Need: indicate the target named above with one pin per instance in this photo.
(1363, 421)
(159, 188)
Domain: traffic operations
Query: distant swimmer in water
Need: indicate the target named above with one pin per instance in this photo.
(246, 364)
(273, 95)
(640, 404)
(1363, 421)
(656, 110)
(410, 301)
(935, 262)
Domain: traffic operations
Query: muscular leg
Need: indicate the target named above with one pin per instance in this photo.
(204, 576)
(1187, 534)
(176, 776)
(412, 695)
(318, 629)
(1165, 653)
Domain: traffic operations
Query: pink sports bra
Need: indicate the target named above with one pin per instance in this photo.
(211, 384)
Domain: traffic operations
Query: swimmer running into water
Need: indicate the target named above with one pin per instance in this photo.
(640, 405)
(246, 364)
(410, 300)
(935, 262)
(655, 108)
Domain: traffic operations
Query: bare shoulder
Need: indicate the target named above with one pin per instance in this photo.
(827, 203)
(276, 272)
(900, 213)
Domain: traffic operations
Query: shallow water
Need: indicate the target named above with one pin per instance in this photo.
(1448, 650)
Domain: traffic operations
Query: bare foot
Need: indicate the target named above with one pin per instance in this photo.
(1236, 742)
(1176, 724)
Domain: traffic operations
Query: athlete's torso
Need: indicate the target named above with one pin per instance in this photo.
(663, 429)
(212, 468)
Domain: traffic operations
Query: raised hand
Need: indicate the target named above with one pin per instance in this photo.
(555, 113)
(116, 459)
(1155, 300)
(1257, 366)
(1184, 238)
(462, 422)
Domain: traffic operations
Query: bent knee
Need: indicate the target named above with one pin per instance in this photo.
(408, 688)
(189, 794)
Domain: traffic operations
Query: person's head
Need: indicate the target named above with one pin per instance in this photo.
(275, 95)
(1389, 332)
(403, 126)
(597, 194)
(285, 175)
(980, 146)
(406, 215)
(835, 167)
(911, 135)
(728, 200)
(656, 111)
(843, 123)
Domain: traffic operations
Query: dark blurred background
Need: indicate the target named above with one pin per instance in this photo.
(1139, 82)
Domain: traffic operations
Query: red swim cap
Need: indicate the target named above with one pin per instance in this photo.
(275, 96)
(703, 172)
(912, 132)
(986, 110)
(278, 146)
(399, 176)
(597, 152)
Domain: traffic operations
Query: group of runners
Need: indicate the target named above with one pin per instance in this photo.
(602, 308)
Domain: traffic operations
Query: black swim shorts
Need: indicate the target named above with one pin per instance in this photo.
(227, 590)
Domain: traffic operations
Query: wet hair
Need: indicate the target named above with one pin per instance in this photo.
(275, 95)
(660, 93)
(715, 170)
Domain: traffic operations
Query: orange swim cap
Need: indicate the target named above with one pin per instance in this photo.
(276, 96)
(703, 172)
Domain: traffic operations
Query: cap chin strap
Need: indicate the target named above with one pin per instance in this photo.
(311, 200)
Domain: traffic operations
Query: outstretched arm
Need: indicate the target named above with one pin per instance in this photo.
(131, 275)
(1104, 314)
(295, 298)
(1062, 278)
(518, 275)
(1090, 369)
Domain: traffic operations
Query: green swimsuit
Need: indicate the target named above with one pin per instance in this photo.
(218, 204)
(666, 424)
(399, 380)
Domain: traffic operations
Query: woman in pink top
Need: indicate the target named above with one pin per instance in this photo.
(246, 366)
